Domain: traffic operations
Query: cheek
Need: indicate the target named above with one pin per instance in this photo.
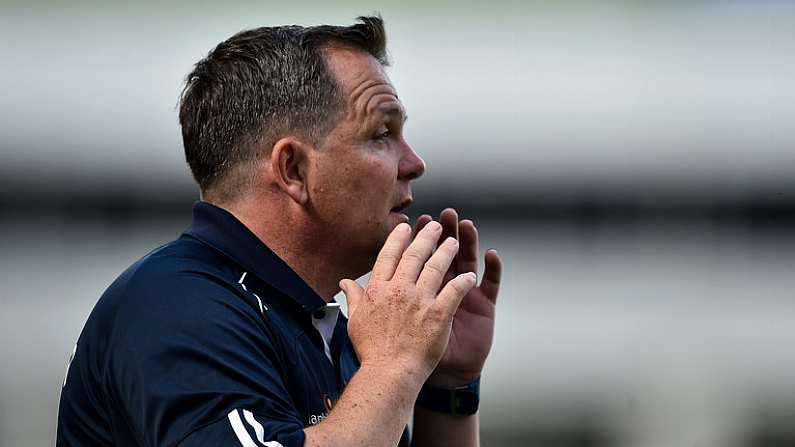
(360, 189)
(379, 183)
(374, 177)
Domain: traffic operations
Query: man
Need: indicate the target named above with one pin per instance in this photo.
(228, 335)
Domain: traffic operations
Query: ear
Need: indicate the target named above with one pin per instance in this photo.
(288, 163)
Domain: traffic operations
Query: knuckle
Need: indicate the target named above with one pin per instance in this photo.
(398, 290)
(431, 235)
(434, 267)
(389, 256)
(375, 290)
(458, 287)
(438, 313)
(373, 287)
(413, 255)
(449, 248)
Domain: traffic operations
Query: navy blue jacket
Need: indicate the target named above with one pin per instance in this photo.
(209, 340)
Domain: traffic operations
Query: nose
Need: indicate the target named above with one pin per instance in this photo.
(411, 165)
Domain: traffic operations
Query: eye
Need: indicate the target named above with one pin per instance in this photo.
(383, 134)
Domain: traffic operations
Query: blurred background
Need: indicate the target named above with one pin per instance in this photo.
(632, 162)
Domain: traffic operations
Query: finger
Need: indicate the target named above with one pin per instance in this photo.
(421, 222)
(353, 294)
(490, 285)
(449, 220)
(433, 272)
(450, 297)
(467, 259)
(390, 254)
(419, 251)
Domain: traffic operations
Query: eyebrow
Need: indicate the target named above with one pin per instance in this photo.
(393, 109)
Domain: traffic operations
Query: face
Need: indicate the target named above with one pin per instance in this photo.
(360, 176)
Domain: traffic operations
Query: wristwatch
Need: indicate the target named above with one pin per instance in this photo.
(459, 401)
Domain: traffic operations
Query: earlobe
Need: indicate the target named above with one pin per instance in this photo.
(288, 164)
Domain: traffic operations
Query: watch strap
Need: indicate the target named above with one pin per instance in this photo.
(460, 401)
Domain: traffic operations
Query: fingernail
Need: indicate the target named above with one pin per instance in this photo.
(434, 225)
(452, 240)
(473, 276)
(403, 226)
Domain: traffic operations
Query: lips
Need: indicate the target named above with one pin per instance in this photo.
(402, 206)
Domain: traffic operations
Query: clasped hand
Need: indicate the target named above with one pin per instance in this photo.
(421, 311)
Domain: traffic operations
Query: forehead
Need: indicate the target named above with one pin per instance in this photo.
(365, 85)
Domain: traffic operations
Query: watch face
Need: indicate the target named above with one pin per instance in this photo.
(466, 402)
(462, 401)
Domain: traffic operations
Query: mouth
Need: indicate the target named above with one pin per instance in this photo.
(402, 206)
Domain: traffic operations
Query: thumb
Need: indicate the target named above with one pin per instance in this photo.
(451, 295)
(353, 294)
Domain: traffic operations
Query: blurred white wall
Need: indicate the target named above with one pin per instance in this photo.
(639, 98)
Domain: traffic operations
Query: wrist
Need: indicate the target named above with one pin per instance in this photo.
(405, 377)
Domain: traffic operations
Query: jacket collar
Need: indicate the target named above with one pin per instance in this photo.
(222, 231)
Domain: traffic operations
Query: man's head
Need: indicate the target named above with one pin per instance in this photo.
(304, 122)
(261, 85)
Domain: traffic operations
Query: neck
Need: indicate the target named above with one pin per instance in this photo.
(295, 243)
